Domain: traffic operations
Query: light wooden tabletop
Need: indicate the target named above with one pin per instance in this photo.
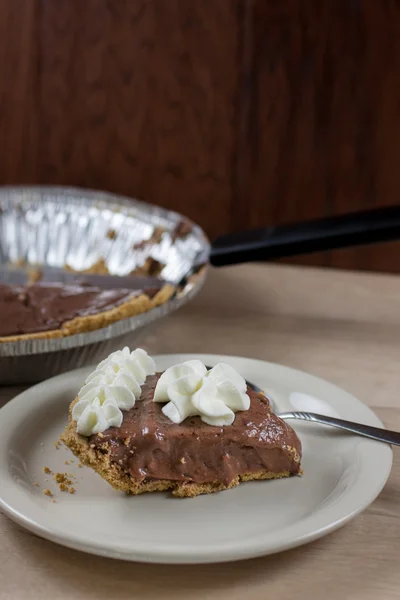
(344, 327)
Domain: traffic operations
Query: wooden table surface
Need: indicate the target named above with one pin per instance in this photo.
(344, 327)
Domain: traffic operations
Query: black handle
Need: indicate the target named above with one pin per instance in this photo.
(354, 229)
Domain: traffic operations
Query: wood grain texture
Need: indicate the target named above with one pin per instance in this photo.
(338, 325)
(322, 104)
(139, 98)
(18, 90)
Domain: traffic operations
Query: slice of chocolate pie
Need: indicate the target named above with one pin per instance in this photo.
(48, 310)
(189, 429)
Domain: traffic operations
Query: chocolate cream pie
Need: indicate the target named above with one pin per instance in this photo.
(189, 429)
(49, 310)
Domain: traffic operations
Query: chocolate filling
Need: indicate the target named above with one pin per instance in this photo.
(149, 446)
(43, 307)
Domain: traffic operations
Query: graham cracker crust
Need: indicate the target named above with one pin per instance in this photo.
(120, 480)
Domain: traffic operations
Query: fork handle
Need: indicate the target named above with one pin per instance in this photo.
(352, 229)
(376, 433)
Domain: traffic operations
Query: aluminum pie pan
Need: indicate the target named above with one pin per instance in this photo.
(59, 226)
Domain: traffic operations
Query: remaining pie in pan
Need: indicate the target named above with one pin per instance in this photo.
(49, 310)
(190, 430)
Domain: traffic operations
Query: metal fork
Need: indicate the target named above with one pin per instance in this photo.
(376, 433)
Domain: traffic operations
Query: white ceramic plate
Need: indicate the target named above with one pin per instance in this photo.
(342, 475)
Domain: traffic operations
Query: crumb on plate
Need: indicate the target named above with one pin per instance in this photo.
(64, 481)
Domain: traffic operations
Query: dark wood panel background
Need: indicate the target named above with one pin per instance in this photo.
(238, 113)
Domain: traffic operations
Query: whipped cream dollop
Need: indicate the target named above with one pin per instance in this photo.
(114, 386)
(214, 395)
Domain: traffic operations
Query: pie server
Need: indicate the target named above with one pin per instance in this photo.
(353, 229)
(48, 274)
(332, 233)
